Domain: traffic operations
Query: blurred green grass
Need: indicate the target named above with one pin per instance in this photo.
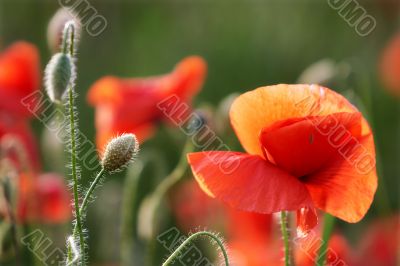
(247, 43)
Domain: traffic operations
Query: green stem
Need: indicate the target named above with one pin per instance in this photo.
(90, 191)
(173, 177)
(159, 193)
(329, 222)
(75, 176)
(84, 205)
(70, 33)
(89, 195)
(191, 238)
(285, 236)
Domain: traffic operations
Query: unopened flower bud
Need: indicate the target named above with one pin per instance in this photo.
(119, 152)
(56, 26)
(59, 74)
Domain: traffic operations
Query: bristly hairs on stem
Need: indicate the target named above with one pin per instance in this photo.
(72, 245)
(69, 48)
(120, 151)
(214, 237)
(286, 238)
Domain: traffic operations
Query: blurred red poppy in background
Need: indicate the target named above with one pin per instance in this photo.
(338, 251)
(43, 198)
(194, 209)
(390, 65)
(19, 77)
(307, 147)
(380, 243)
(40, 197)
(130, 105)
(251, 237)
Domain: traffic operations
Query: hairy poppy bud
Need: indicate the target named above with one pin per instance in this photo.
(59, 74)
(56, 26)
(119, 152)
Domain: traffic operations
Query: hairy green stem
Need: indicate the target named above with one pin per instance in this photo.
(88, 196)
(90, 191)
(85, 203)
(78, 217)
(70, 33)
(329, 222)
(190, 239)
(285, 236)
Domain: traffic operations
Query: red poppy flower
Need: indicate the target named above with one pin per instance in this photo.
(307, 147)
(43, 199)
(130, 105)
(251, 240)
(250, 236)
(307, 251)
(19, 77)
(193, 209)
(19, 131)
(380, 243)
(390, 65)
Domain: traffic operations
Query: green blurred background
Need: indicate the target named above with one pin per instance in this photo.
(247, 43)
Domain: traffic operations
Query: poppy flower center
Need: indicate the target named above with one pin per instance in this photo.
(303, 146)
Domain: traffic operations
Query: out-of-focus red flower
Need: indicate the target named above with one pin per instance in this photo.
(194, 209)
(40, 198)
(43, 199)
(130, 105)
(251, 240)
(307, 147)
(380, 243)
(390, 65)
(307, 250)
(19, 77)
(19, 131)
(249, 236)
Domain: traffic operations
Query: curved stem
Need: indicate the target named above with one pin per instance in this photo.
(90, 191)
(329, 222)
(162, 189)
(173, 177)
(285, 236)
(177, 173)
(84, 205)
(89, 195)
(191, 238)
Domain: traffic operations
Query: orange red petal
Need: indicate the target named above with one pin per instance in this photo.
(346, 187)
(247, 182)
(262, 107)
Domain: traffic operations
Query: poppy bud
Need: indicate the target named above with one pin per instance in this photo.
(56, 26)
(119, 152)
(59, 74)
